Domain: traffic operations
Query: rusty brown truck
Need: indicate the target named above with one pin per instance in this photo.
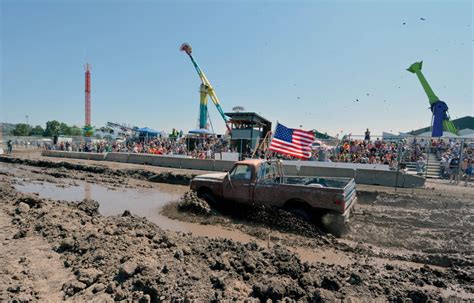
(260, 182)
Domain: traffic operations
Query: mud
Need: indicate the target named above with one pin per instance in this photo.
(268, 217)
(384, 226)
(190, 202)
(127, 257)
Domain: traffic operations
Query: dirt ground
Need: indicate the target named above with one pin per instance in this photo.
(412, 245)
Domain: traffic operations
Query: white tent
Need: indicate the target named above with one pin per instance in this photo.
(445, 135)
(389, 136)
(468, 136)
(466, 131)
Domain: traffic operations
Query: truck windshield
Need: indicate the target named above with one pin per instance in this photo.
(241, 172)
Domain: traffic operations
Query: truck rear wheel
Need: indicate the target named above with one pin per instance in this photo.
(302, 213)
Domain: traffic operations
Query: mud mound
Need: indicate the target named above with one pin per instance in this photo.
(282, 220)
(271, 217)
(172, 178)
(190, 202)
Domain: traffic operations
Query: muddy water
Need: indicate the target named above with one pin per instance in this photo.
(147, 203)
(142, 202)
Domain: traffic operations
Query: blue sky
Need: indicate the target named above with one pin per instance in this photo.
(298, 62)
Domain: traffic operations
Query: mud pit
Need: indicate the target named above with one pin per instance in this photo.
(128, 257)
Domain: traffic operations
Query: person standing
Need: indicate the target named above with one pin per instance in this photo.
(9, 146)
(467, 169)
(367, 135)
(454, 169)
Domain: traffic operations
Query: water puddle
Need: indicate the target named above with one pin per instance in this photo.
(141, 202)
(147, 203)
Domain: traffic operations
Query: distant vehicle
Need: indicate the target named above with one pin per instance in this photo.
(260, 182)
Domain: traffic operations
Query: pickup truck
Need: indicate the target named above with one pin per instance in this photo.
(261, 182)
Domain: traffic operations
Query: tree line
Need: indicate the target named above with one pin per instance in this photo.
(53, 128)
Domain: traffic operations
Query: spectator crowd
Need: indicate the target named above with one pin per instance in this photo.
(454, 164)
(193, 148)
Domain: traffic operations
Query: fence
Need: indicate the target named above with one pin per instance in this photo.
(22, 143)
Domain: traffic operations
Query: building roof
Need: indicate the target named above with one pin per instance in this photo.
(460, 123)
(247, 117)
(320, 135)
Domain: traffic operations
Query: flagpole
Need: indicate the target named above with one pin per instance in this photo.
(261, 144)
(272, 133)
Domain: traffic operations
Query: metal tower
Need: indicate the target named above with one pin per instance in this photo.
(88, 95)
(206, 90)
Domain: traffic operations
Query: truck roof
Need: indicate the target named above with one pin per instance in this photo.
(254, 162)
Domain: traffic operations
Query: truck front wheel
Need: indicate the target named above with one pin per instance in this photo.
(208, 197)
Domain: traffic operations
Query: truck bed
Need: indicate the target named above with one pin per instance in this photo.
(329, 185)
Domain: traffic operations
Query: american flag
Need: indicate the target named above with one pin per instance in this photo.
(293, 142)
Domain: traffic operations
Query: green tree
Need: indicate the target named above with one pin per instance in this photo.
(64, 129)
(53, 128)
(36, 131)
(21, 129)
(75, 131)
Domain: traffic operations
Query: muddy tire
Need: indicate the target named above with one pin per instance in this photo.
(209, 198)
(302, 213)
(334, 224)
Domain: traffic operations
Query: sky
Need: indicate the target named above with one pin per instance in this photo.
(302, 63)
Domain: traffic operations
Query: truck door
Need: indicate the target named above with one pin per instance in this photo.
(266, 189)
(237, 185)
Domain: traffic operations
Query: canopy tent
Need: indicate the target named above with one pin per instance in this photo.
(445, 135)
(389, 136)
(201, 131)
(468, 136)
(466, 132)
(404, 135)
(146, 131)
(319, 144)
